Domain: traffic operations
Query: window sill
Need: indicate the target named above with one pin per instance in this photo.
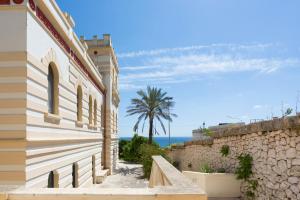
(92, 126)
(79, 124)
(52, 118)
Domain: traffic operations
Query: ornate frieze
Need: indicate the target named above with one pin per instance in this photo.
(42, 17)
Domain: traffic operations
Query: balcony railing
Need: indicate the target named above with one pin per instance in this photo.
(166, 183)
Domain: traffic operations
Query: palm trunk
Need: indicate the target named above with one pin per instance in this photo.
(150, 130)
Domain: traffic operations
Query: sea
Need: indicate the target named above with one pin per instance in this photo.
(164, 141)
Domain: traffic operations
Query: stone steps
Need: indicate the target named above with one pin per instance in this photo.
(224, 198)
(101, 176)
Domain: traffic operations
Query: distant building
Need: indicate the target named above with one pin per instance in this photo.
(199, 134)
(58, 99)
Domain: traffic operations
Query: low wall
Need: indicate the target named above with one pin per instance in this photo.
(166, 183)
(274, 146)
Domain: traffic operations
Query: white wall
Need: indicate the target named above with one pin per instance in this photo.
(13, 30)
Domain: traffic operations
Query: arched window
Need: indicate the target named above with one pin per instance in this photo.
(51, 180)
(95, 112)
(90, 110)
(74, 175)
(79, 103)
(52, 89)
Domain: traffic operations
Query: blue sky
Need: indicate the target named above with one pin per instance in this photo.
(222, 61)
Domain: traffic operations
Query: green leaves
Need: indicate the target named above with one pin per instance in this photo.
(208, 132)
(244, 170)
(205, 168)
(152, 104)
(225, 150)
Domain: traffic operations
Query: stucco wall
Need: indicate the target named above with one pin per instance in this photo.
(274, 146)
(33, 142)
(54, 147)
(12, 95)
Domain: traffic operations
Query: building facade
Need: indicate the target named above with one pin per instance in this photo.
(58, 99)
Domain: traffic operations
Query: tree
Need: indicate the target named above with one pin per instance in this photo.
(288, 111)
(152, 104)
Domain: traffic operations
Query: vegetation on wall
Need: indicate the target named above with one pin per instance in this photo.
(206, 168)
(207, 132)
(244, 172)
(288, 112)
(225, 150)
(176, 164)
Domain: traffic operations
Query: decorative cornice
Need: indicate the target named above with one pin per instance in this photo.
(53, 31)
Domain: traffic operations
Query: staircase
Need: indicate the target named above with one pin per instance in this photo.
(101, 175)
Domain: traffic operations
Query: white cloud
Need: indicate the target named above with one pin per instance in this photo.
(176, 65)
(135, 68)
(155, 52)
(257, 107)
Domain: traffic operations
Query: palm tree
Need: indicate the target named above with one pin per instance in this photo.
(153, 104)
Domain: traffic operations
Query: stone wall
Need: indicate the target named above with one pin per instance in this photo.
(274, 146)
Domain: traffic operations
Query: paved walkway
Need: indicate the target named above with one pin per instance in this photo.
(127, 176)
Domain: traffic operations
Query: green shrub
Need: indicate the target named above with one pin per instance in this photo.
(244, 170)
(208, 132)
(225, 150)
(221, 170)
(122, 144)
(205, 168)
(146, 152)
(131, 150)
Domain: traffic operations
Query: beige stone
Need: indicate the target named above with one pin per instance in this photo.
(295, 189)
(293, 180)
(296, 161)
(291, 153)
(298, 147)
(272, 153)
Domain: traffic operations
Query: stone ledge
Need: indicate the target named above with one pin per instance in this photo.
(264, 127)
(199, 142)
(292, 122)
(157, 193)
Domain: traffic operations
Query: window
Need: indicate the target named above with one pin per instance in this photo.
(51, 180)
(79, 103)
(90, 110)
(94, 169)
(113, 121)
(52, 89)
(74, 175)
(95, 113)
(116, 122)
(102, 116)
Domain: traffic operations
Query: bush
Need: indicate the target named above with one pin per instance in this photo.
(205, 168)
(122, 144)
(244, 170)
(146, 152)
(225, 150)
(130, 151)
